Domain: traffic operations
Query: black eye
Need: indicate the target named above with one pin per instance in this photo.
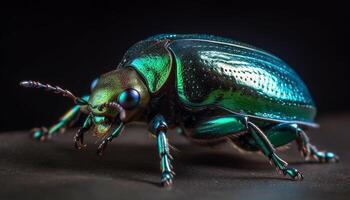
(129, 98)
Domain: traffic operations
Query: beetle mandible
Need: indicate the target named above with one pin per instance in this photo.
(214, 89)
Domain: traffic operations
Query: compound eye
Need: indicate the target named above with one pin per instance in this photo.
(129, 98)
(93, 84)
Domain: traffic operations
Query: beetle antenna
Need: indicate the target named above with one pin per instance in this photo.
(55, 89)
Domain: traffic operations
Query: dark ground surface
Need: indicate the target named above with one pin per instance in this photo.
(130, 169)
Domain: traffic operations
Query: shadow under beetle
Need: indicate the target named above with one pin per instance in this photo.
(215, 89)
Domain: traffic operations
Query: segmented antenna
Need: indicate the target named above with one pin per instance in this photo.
(55, 89)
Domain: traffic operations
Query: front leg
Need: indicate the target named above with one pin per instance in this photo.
(103, 145)
(68, 119)
(159, 128)
(79, 136)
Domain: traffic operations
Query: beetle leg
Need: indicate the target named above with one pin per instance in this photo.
(285, 133)
(68, 119)
(219, 126)
(79, 136)
(267, 148)
(103, 145)
(308, 150)
(159, 127)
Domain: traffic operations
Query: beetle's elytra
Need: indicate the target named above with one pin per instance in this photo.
(214, 89)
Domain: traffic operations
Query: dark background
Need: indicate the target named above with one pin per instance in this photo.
(71, 45)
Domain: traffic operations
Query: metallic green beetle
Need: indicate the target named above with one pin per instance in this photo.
(215, 89)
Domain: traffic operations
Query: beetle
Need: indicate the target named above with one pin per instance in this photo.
(213, 88)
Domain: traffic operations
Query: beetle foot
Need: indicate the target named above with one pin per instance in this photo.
(294, 174)
(40, 134)
(167, 179)
(309, 151)
(326, 157)
(79, 141)
(102, 147)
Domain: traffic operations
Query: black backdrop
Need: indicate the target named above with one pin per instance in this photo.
(71, 45)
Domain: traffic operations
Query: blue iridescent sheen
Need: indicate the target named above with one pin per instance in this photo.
(129, 98)
(216, 90)
(93, 84)
(212, 71)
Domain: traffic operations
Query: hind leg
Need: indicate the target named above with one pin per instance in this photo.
(310, 151)
(264, 144)
(282, 134)
(233, 124)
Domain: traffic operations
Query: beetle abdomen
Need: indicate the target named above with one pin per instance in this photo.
(239, 78)
(219, 72)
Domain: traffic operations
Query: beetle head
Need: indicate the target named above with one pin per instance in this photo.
(119, 96)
